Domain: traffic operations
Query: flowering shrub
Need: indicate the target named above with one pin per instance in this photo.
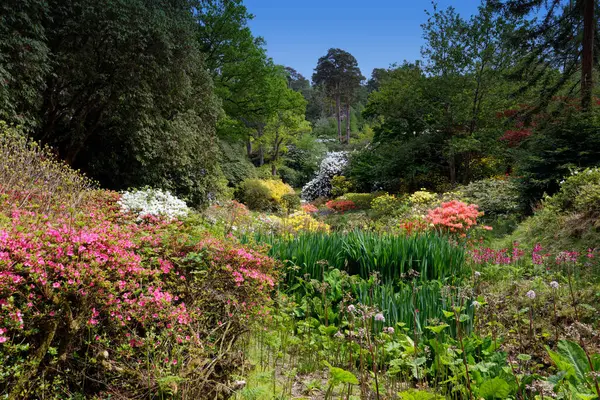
(230, 216)
(301, 221)
(320, 186)
(341, 205)
(100, 283)
(422, 197)
(388, 205)
(309, 208)
(264, 194)
(154, 202)
(32, 179)
(454, 216)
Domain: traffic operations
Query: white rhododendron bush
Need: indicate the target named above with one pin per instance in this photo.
(320, 186)
(153, 202)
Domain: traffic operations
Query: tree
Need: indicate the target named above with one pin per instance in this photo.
(338, 72)
(561, 39)
(126, 97)
(24, 61)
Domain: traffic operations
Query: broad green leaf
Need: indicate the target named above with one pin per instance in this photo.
(437, 329)
(575, 355)
(496, 388)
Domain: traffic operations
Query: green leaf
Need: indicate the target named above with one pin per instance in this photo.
(496, 388)
(448, 314)
(437, 329)
(524, 357)
(575, 355)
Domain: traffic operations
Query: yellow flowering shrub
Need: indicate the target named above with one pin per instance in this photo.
(422, 197)
(302, 221)
(264, 194)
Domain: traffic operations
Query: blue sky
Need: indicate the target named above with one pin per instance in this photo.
(377, 32)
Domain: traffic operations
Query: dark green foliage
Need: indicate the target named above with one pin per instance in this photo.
(234, 163)
(24, 60)
(569, 141)
(302, 160)
(126, 97)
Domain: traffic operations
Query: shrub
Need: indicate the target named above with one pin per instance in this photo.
(309, 208)
(422, 197)
(290, 201)
(320, 186)
(387, 206)
(454, 216)
(264, 194)
(579, 192)
(303, 222)
(361, 200)
(495, 197)
(154, 202)
(31, 178)
(340, 186)
(340, 205)
(87, 296)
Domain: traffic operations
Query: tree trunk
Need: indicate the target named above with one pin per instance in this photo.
(348, 123)
(261, 147)
(339, 116)
(587, 61)
(249, 147)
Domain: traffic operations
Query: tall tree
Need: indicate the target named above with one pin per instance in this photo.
(561, 38)
(126, 96)
(338, 72)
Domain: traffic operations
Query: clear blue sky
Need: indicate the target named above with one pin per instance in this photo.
(377, 32)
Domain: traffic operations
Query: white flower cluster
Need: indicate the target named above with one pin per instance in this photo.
(153, 202)
(320, 186)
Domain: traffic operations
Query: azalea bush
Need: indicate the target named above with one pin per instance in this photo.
(156, 202)
(99, 303)
(264, 194)
(301, 221)
(454, 217)
(340, 205)
(106, 284)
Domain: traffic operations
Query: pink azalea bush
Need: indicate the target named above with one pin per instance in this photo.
(455, 217)
(87, 296)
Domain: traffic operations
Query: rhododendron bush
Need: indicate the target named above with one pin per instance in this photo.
(87, 297)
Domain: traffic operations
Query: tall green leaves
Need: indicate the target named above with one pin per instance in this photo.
(364, 253)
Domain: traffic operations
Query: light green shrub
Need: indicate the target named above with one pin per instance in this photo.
(579, 192)
(340, 186)
(387, 206)
(494, 196)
